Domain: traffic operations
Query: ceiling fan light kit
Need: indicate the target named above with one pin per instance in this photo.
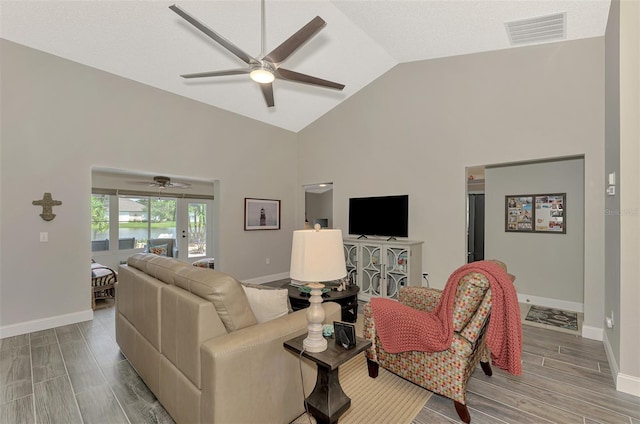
(265, 69)
(262, 74)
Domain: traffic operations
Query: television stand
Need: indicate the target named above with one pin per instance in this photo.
(362, 237)
(381, 267)
(391, 238)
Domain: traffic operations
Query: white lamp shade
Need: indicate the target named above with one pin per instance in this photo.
(317, 256)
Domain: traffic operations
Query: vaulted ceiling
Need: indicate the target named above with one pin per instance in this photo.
(146, 42)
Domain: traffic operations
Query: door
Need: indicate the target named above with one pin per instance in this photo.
(195, 234)
(475, 230)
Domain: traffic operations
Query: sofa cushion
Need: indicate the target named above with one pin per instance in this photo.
(267, 303)
(224, 291)
(161, 267)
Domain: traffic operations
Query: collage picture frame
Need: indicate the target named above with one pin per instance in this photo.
(536, 213)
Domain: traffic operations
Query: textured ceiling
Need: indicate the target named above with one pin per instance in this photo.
(146, 42)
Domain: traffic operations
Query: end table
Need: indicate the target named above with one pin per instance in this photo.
(328, 402)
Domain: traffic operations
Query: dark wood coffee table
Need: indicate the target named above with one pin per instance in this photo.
(328, 402)
(347, 299)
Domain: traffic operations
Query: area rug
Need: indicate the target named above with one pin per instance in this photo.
(385, 399)
(567, 320)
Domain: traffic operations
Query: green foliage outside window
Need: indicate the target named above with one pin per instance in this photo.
(99, 215)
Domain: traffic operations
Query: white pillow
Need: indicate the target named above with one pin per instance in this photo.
(267, 304)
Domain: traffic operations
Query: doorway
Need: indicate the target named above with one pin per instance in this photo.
(475, 214)
(318, 205)
(194, 223)
(475, 230)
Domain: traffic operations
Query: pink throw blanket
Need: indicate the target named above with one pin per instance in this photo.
(402, 328)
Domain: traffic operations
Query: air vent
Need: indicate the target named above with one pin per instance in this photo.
(537, 30)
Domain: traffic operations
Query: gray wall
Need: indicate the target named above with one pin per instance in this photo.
(415, 130)
(546, 265)
(60, 119)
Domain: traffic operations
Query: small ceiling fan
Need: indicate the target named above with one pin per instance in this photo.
(162, 183)
(265, 68)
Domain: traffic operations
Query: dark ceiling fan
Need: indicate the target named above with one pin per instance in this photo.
(162, 183)
(265, 68)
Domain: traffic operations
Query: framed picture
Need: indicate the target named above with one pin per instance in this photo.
(536, 213)
(549, 213)
(519, 213)
(345, 334)
(261, 214)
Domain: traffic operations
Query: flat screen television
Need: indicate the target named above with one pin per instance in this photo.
(379, 216)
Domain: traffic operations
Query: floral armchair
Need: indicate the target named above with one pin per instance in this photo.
(445, 372)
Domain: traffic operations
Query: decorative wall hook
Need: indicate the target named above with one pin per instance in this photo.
(47, 204)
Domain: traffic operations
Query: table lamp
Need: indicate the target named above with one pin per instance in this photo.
(317, 255)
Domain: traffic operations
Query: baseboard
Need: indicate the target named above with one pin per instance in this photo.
(551, 303)
(628, 384)
(593, 333)
(44, 323)
(624, 382)
(267, 278)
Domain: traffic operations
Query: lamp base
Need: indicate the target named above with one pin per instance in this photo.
(314, 342)
(314, 346)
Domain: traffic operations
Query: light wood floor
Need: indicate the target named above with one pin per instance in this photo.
(76, 374)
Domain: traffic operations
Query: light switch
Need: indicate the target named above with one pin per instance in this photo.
(44, 237)
(612, 178)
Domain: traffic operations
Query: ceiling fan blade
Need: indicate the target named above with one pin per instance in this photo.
(291, 44)
(217, 73)
(289, 75)
(267, 91)
(146, 183)
(179, 185)
(215, 36)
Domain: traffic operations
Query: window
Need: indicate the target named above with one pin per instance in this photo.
(126, 222)
(99, 222)
(144, 218)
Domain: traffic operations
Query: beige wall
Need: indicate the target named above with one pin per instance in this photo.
(60, 119)
(629, 377)
(612, 165)
(416, 128)
(622, 155)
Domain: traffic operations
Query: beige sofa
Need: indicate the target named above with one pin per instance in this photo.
(191, 335)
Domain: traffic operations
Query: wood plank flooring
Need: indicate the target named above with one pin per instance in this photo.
(565, 379)
(76, 374)
(73, 374)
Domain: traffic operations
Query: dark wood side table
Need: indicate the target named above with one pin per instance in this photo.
(347, 299)
(328, 402)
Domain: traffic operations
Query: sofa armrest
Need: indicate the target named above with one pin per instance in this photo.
(421, 298)
(248, 376)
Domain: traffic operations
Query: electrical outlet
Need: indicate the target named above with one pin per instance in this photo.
(609, 321)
